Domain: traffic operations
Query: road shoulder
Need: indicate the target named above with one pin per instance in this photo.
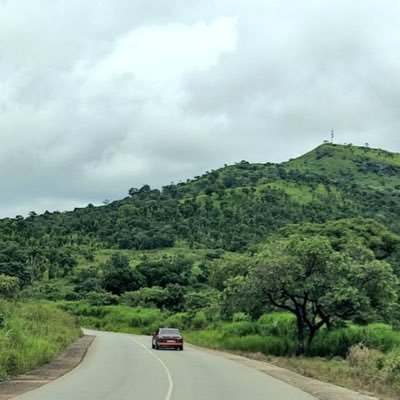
(48, 372)
(318, 389)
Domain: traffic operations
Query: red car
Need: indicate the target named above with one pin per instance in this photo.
(167, 337)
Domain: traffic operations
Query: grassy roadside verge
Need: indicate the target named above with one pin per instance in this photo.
(338, 372)
(32, 334)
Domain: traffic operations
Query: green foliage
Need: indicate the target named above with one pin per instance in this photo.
(239, 328)
(351, 236)
(307, 277)
(254, 343)
(53, 290)
(145, 297)
(171, 297)
(198, 320)
(280, 324)
(168, 270)
(101, 298)
(194, 300)
(32, 334)
(87, 280)
(119, 277)
(9, 286)
(17, 270)
(229, 266)
(241, 317)
(233, 208)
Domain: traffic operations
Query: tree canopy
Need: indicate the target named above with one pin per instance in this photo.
(319, 285)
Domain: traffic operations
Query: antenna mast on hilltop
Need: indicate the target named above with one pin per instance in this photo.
(332, 135)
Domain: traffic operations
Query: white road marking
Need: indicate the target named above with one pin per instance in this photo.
(171, 383)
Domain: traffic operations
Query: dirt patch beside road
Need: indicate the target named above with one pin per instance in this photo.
(64, 363)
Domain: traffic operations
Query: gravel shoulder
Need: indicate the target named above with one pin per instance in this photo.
(320, 390)
(75, 353)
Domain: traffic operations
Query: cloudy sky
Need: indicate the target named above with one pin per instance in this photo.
(97, 96)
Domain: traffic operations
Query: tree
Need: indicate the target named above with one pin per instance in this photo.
(132, 191)
(167, 270)
(307, 277)
(86, 280)
(119, 277)
(9, 286)
(18, 270)
(229, 266)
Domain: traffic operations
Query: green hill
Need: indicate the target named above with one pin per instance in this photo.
(231, 208)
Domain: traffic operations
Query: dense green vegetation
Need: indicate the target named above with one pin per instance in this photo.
(32, 334)
(301, 257)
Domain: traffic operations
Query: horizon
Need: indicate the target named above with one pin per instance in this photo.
(107, 201)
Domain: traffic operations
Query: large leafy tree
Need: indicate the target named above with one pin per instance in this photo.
(307, 277)
(18, 270)
(119, 277)
(168, 270)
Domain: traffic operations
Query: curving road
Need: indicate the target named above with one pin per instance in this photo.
(124, 367)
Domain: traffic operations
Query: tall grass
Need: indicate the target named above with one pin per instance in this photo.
(116, 318)
(32, 334)
(329, 343)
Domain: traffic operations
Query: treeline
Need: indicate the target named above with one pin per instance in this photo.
(231, 208)
(234, 209)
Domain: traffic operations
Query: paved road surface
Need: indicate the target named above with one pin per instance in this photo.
(124, 367)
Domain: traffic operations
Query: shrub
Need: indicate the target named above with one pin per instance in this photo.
(240, 328)
(329, 343)
(266, 344)
(277, 324)
(199, 321)
(146, 317)
(101, 299)
(176, 321)
(241, 316)
(338, 342)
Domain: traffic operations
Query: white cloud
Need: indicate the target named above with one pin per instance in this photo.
(164, 53)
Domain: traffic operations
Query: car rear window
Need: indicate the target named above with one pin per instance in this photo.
(170, 331)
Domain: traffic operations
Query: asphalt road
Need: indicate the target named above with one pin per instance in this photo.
(124, 367)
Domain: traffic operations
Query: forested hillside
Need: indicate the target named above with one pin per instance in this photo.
(232, 208)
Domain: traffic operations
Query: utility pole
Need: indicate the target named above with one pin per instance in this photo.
(332, 135)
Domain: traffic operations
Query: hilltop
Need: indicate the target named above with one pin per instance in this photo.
(232, 208)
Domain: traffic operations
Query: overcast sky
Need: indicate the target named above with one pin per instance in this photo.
(98, 96)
